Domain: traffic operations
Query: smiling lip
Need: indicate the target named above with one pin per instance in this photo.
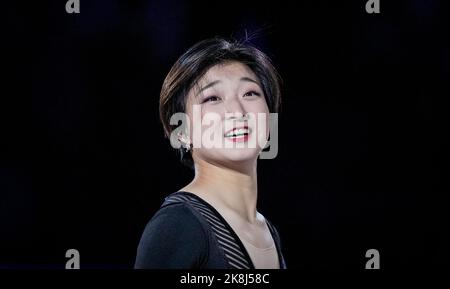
(237, 128)
(239, 138)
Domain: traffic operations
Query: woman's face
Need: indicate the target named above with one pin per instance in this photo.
(228, 114)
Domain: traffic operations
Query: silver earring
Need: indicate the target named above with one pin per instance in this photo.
(185, 141)
(188, 147)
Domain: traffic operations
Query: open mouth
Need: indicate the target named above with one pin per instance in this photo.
(238, 133)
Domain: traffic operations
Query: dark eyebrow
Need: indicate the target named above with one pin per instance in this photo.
(249, 80)
(207, 86)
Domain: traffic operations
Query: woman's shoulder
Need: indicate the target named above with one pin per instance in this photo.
(175, 213)
(173, 238)
(272, 228)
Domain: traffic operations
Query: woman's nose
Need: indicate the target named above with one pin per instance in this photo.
(235, 108)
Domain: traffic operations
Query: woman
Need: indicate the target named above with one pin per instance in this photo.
(213, 223)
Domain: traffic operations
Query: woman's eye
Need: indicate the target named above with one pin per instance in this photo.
(210, 99)
(250, 93)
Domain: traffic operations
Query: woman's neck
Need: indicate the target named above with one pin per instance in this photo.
(233, 188)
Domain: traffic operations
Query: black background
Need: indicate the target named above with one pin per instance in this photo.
(363, 138)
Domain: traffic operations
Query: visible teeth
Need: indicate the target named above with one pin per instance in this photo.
(237, 132)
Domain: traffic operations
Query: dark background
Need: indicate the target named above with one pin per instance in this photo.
(363, 142)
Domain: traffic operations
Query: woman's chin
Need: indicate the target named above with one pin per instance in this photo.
(240, 154)
(230, 155)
